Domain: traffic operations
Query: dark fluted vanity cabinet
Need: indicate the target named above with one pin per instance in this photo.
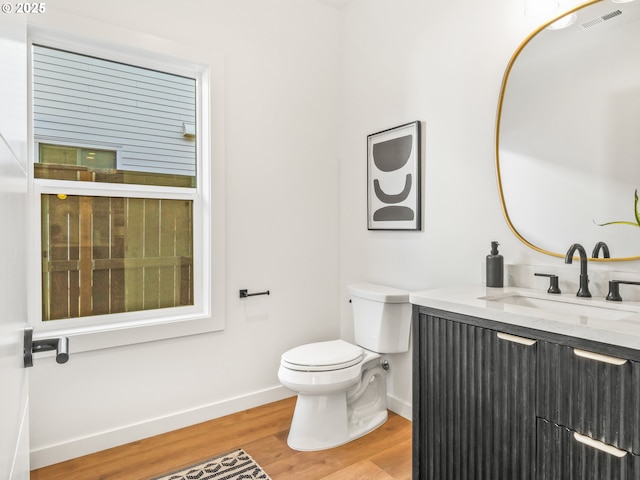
(474, 402)
(582, 392)
(590, 395)
(494, 401)
(561, 457)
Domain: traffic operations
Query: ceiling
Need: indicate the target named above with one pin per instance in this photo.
(336, 3)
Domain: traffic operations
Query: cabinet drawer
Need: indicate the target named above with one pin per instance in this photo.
(590, 395)
(561, 456)
(474, 403)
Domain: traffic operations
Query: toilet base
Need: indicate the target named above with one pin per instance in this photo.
(326, 421)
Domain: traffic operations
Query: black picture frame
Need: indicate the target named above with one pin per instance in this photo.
(394, 178)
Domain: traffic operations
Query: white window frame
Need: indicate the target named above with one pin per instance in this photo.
(105, 331)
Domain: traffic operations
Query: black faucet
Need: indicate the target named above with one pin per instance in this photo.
(583, 291)
(605, 250)
(614, 289)
(553, 282)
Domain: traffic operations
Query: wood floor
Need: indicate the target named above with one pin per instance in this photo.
(384, 454)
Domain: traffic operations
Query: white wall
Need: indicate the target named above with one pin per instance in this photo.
(441, 63)
(14, 394)
(280, 109)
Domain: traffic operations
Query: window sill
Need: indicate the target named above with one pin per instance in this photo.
(97, 337)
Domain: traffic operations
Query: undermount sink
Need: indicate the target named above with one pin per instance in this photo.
(564, 305)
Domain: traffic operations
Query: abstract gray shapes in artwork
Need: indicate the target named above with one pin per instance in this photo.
(393, 171)
(387, 198)
(392, 154)
(393, 214)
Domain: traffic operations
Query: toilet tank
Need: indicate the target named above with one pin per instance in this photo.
(381, 316)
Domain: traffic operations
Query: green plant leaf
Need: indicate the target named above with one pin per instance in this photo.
(636, 214)
(618, 223)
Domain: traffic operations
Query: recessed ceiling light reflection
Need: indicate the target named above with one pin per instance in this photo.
(563, 22)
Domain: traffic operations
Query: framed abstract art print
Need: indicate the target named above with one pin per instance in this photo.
(393, 178)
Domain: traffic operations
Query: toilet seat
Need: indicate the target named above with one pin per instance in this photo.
(322, 356)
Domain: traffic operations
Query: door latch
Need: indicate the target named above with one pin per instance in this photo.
(60, 345)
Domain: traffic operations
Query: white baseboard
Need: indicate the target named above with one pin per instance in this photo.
(78, 447)
(400, 407)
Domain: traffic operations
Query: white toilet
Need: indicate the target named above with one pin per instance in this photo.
(342, 390)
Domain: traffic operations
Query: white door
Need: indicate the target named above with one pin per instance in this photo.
(14, 389)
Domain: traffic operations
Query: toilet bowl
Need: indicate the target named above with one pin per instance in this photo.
(341, 387)
(332, 408)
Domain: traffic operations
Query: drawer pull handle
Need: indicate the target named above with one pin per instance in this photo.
(515, 339)
(599, 357)
(599, 445)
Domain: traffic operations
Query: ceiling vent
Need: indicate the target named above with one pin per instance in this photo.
(600, 20)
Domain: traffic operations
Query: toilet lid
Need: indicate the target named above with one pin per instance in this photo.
(322, 356)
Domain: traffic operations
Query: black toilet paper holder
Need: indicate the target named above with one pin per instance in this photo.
(244, 293)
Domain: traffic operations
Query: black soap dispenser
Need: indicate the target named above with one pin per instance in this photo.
(495, 267)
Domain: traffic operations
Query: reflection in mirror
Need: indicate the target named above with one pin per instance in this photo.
(568, 133)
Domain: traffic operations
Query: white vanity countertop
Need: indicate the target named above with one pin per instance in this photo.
(597, 324)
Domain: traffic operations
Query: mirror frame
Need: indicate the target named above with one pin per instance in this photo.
(503, 87)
